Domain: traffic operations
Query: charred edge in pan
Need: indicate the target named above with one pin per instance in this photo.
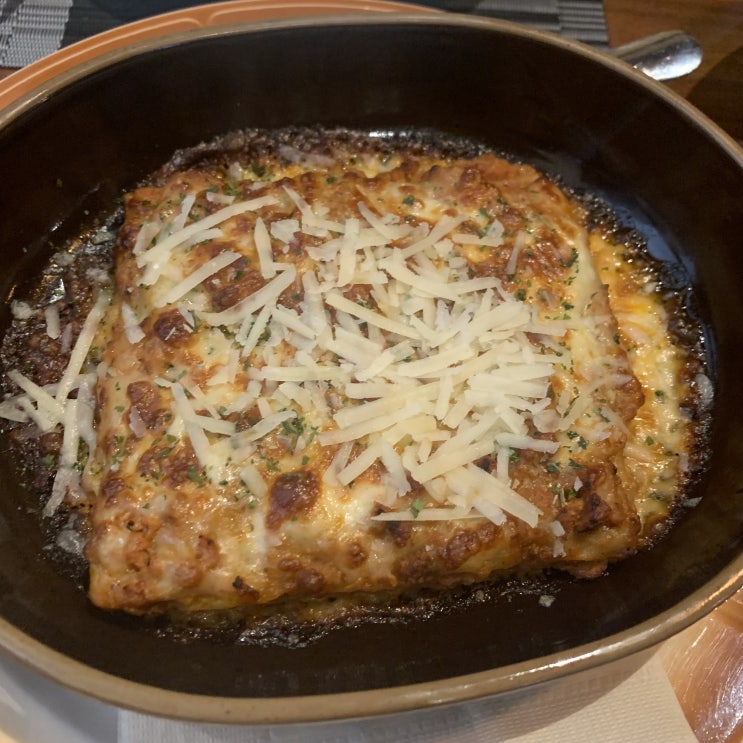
(45, 359)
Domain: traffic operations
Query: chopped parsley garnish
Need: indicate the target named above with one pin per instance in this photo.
(582, 443)
(196, 475)
(272, 464)
(293, 426)
(417, 507)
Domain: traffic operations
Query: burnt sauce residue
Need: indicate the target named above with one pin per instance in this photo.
(69, 281)
(296, 625)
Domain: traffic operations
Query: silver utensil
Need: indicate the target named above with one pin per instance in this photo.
(662, 56)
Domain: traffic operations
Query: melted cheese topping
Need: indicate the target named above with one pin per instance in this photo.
(658, 446)
(295, 369)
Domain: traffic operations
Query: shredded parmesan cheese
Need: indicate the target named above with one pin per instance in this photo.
(379, 338)
(51, 315)
(82, 346)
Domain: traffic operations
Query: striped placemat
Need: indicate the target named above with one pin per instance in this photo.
(31, 29)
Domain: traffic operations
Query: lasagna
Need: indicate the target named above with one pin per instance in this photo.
(335, 364)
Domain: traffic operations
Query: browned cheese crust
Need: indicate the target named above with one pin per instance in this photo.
(349, 368)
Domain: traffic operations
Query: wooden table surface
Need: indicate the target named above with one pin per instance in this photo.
(705, 662)
(716, 87)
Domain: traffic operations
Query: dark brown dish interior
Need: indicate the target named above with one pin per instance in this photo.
(71, 153)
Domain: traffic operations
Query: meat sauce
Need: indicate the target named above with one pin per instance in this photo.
(317, 570)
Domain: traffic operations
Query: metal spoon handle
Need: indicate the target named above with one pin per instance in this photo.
(663, 56)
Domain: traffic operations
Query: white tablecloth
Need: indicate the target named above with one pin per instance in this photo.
(629, 701)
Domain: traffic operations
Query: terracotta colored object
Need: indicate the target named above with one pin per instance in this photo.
(98, 126)
(199, 17)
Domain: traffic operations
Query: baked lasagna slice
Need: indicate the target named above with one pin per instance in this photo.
(357, 368)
